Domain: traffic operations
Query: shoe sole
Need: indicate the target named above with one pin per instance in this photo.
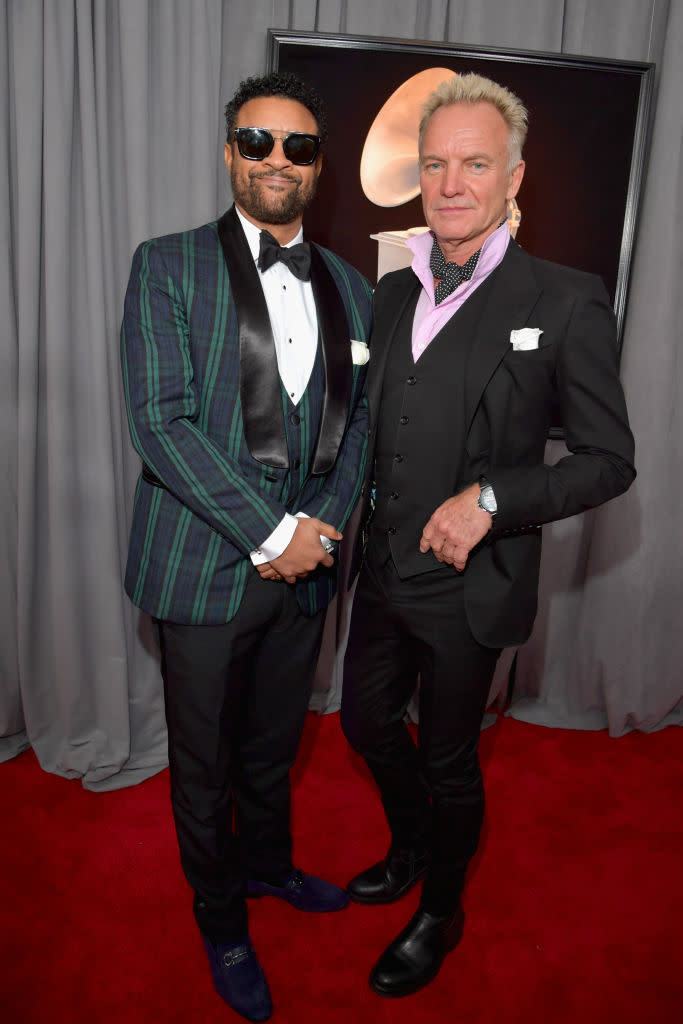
(407, 990)
(384, 900)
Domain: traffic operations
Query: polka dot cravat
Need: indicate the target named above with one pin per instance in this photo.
(450, 274)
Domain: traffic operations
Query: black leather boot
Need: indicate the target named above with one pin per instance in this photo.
(390, 879)
(415, 956)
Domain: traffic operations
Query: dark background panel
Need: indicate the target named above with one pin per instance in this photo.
(578, 152)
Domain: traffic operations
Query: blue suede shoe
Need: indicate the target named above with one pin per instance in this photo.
(305, 892)
(239, 978)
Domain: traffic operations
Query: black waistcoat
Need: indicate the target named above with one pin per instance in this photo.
(302, 425)
(420, 440)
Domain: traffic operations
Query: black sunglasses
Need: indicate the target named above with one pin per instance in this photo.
(257, 143)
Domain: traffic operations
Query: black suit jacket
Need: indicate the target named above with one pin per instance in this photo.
(509, 397)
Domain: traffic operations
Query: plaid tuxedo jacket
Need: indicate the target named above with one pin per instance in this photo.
(203, 501)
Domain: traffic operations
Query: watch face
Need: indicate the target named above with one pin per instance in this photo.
(487, 500)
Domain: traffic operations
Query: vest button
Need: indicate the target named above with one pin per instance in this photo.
(391, 530)
(411, 380)
(295, 419)
(393, 495)
(398, 458)
(403, 420)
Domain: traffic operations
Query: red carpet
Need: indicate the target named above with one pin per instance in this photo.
(574, 906)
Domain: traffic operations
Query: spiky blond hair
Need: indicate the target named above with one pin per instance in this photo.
(471, 88)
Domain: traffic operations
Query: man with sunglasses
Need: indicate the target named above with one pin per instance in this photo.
(244, 387)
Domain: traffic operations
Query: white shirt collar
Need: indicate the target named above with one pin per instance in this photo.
(254, 235)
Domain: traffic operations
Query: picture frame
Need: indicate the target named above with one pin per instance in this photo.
(585, 154)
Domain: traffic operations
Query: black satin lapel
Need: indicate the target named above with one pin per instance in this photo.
(401, 302)
(260, 389)
(336, 352)
(501, 304)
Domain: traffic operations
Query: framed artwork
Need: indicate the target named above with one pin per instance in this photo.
(585, 152)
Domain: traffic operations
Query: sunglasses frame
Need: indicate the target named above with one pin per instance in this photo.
(277, 138)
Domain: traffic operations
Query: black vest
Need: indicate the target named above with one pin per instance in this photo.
(420, 440)
(302, 424)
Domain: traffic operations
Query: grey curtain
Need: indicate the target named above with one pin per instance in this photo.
(111, 132)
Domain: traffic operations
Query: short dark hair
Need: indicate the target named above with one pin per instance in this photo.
(277, 83)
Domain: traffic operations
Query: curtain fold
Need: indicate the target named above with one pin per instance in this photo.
(606, 649)
(11, 715)
(112, 132)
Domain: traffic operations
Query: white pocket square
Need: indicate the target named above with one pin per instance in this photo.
(525, 339)
(360, 353)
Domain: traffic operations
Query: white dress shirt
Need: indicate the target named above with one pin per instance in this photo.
(294, 322)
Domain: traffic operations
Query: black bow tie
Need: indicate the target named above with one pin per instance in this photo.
(296, 257)
(450, 274)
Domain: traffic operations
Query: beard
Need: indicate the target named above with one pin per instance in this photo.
(270, 207)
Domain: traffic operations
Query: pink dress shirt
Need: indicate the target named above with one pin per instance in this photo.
(430, 318)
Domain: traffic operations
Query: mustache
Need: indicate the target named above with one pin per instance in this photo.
(256, 175)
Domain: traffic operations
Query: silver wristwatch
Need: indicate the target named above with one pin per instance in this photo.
(487, 499)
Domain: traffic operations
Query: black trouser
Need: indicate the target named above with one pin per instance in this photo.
(432, 794)
(236, 700)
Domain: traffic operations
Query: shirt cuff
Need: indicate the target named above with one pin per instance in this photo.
(274, 545)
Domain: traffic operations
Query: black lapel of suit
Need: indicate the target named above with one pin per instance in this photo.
(336, 353)
(501, 304)
(397, 301)
(260, 387)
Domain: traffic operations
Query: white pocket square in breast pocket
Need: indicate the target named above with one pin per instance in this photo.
(360, 353)
(525, 339)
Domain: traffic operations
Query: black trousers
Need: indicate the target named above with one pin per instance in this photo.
(236, 700)
(432, 793)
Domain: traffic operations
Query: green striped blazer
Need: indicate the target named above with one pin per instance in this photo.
(203, 502)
